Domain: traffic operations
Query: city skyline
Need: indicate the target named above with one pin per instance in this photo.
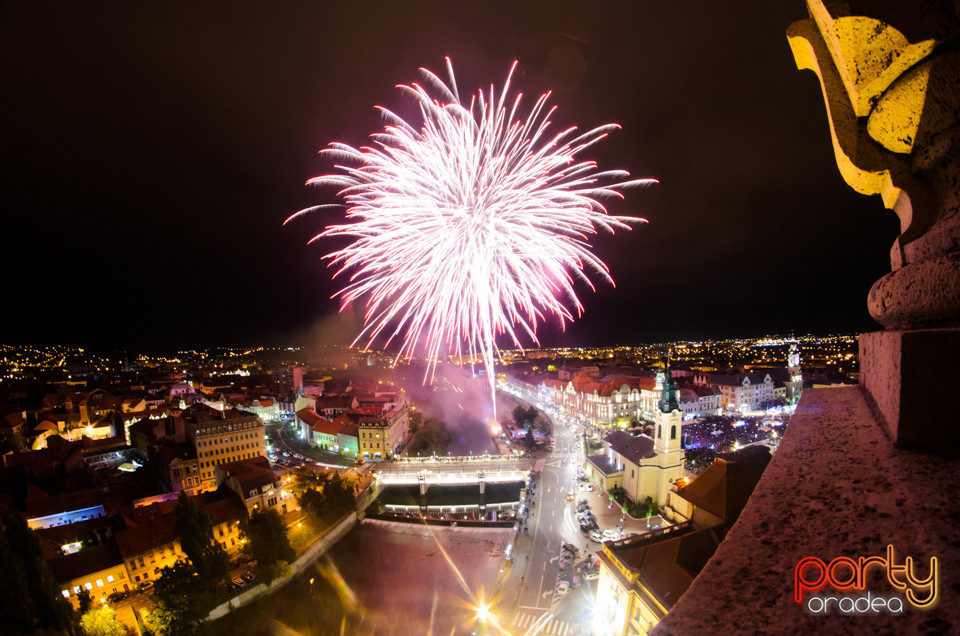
(155, 155)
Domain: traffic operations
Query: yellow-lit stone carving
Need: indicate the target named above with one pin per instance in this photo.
(869, 55)
(896, 117)
(861, 161)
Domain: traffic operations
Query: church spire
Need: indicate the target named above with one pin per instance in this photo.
(669, 401)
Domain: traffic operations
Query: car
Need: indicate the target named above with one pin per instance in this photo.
(570, 496)
(596, 536)
(586, 528)
(249, 577)
(592, 575)
(233, 588)
(239, 582)
(145, 585)
(569, 547)
(611, 535)
(562, 588)
(566, 559)
(360, 462)
(116, 597)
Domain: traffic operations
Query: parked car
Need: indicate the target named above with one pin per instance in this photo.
(569, 547)
(566, 559)
(145, 585)
(239, 582)
(249, 577)
(562, 588)
(116, 597)
(596, 536)
(592, 575)
(611, 535)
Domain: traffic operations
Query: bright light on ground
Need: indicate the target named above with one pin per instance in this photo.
(483, 613)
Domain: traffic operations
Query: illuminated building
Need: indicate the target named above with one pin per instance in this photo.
(256, 484)
(605, 404)
(100, 571)
(747, 391)
(224, 437)
(642, 577)
(642, 466)
(151, 541)
(382, 435)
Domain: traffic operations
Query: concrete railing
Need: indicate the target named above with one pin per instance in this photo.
(332, 536)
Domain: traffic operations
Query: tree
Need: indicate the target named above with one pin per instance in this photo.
(432, 437)
(519, 415)
(85, 601)
(209, 559)
(184, 595)
(303, 480)
(15, 605)
(331, 500)
(18, 443)
(102, 621)
(49, 606)
(158, 621)
(266, 536)
(529, 440)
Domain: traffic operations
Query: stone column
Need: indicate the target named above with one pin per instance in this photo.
(890, 75)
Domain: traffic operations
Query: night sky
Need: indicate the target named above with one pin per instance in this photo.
(151, 151)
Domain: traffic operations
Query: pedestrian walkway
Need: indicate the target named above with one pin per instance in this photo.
(535, 622)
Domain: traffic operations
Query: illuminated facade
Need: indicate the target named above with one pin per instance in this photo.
(642, 466)
(605, 404)
(100, 571)
(224, 437)
(381, 436)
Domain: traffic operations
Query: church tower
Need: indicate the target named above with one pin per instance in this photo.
(668, 432)
(795, 385)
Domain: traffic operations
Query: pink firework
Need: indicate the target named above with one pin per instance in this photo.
(471, 226)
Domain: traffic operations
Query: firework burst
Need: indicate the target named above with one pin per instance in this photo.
(472, 226)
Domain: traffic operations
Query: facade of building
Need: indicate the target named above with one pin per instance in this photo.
(100, 571)
(223, 437)
(744, 392)
(642, 466)
(256, 484)
(616, 402)
(381, 436)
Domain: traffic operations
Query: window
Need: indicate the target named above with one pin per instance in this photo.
(673, 432)
(66, 593)
(110, 579)
(88, 586)
(76, 589)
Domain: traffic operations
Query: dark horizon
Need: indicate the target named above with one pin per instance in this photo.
(151, 155)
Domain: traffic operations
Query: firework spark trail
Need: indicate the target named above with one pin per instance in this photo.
(472, 227)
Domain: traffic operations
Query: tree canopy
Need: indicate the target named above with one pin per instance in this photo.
(266, 536)
(102, 621)
(209, 559)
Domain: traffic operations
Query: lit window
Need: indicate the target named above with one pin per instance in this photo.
(88, 586)
(110, 579)
(66, 593)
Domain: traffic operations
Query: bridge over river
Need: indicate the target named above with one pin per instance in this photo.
(454, 471)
